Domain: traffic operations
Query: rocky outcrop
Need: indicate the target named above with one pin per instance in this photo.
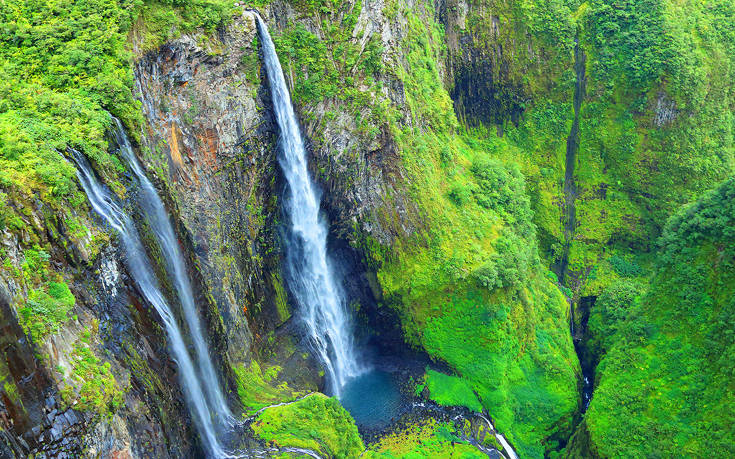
(208, 141)
(102, 384)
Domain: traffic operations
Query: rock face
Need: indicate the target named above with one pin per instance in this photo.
(208, 141)
(211, 142)
(46, 408)
(210, 138)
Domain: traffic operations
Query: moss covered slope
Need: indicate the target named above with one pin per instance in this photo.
(666, 384)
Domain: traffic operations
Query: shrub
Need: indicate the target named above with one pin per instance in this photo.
(92, 384)
(316, 422)
(449, 390)
(486, 276)
(509, 266)
(460, 194)
(625, 267)
(46, 309)
(608, 313)
(502, 189)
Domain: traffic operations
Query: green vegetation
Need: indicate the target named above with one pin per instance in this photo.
(425, 439)
(606, 317)
(64, 66)
(49, 299)
(468, 286)
(281, 298)
(656, 124)
(316, 422)
(656, 127)
(11, 390)
(64, 69)
(90, 383)
(159, 21)
(257, 388)
(482, 190)
(665, 385)
(451, 391)
(335, 66)
(45, 310)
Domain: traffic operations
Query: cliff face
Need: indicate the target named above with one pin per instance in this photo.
(96, 379)
(212, 142)
(208, 140)
(211, 138)
(438, 133)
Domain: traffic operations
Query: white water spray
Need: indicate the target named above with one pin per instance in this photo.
(319, 297)
(139, 267)
(157, 217)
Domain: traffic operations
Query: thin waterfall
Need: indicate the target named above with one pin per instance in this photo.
(157, 217)
(140, 269)
(319, 296)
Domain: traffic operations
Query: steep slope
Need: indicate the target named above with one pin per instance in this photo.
(655, 121)
(464, 149)
(449, 234)
(665, 384)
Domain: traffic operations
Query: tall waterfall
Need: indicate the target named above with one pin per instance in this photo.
(140, 269)
(157, 217)
(311, 279)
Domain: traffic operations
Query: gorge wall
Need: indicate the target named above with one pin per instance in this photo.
(438, 134)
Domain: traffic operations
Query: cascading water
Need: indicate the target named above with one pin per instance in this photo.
(311, 279)
(157, 217)
(140, 269)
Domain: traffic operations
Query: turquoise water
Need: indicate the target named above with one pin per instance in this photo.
(372, 398)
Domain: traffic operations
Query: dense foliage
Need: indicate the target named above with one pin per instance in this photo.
(666, 383)
(63, 65)
(608, 313)
(469, 288)
(64, 69)
(317, 422)
(471, 284)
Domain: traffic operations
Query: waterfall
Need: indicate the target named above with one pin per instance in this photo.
(319, 296)
(157, 217)
(140, 270)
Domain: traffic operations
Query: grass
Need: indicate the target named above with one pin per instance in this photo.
(257, 388)
(317, 422)
(428, 438)
(451, 391)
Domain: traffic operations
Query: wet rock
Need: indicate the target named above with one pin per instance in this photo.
(71, 418)
(50, 403)
(182, 75)
(56, 433)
